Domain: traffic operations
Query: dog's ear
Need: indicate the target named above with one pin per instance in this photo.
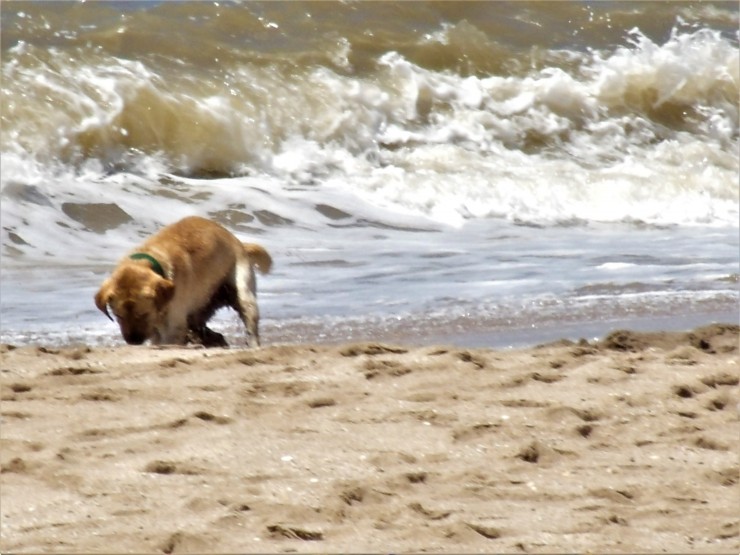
(102, 298)
(163, 293)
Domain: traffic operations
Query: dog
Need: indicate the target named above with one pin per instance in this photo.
(169, 287)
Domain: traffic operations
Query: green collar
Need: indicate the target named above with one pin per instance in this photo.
(156, 266)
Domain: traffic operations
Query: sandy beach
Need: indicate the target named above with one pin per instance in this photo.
(627, 444)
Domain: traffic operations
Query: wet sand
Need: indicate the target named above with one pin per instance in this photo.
(627, 444)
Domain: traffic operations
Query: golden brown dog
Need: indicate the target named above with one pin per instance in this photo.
(171, 285)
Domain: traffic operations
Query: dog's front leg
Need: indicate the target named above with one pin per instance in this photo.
(175, 333)
(178, 336)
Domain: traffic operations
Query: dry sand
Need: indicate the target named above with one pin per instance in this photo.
(625, 445)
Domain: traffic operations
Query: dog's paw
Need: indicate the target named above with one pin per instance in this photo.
(206, 337)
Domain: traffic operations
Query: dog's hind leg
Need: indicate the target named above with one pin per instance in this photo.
(246, 300)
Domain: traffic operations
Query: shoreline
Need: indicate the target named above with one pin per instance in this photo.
(626, 444)
(488, 334)
(412, 329)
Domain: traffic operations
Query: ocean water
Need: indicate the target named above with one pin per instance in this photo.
(485, 173)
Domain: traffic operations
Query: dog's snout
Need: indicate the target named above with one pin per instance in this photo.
(134, 338)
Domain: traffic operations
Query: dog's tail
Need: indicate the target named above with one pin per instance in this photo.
(258, 256)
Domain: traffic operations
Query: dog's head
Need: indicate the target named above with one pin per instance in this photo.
(137, 297)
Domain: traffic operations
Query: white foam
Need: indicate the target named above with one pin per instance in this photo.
(405, 145)
(689, 68)
(615, 266)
